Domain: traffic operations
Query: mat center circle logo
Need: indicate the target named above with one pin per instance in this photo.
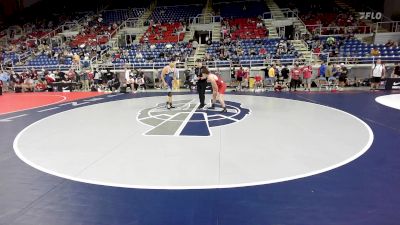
(187, 120)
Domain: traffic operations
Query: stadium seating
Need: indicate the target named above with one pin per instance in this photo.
(119, 15)
(243, 9)
(268, 44)
(11, 56)
(165, 36)
(153, 55)
(242, 15)
(247, 29)
(91, 39)
(343, 21)
(356, 48)
(167, 14)
(44, 60)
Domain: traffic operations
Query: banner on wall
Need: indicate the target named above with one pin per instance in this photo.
(392, 83)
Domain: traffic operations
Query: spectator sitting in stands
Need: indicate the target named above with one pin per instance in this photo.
(253, 51)
(330, 41)
(208, 57)
(375, 52)
(223, 56)
(262, 51)
(145, 39)
(259, 24)
(76, 58)
(239, 51)
(317, 50)
(208, 40)
(390, 43)
(139, 55)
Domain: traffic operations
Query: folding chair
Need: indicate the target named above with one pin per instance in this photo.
(322, 82)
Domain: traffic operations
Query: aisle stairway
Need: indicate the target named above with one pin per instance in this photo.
(271, 28)
(216, 32)
(198, 54)
(302, 48)
(141, 20)
(275, 10)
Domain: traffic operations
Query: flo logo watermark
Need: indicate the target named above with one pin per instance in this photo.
(370, 15)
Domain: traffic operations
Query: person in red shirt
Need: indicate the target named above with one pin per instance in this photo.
(41, 86)
(258, 82)
(262, 52)
(218, 88)
(295, 73)
(307, 73)
(49, 78)
(239, 77)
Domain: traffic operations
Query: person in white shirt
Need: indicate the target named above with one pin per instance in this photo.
(195, 44)
(139, 55)
(377, 73)
(130, 80)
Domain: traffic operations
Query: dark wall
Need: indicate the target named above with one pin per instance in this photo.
(8, 7)
(392, 9)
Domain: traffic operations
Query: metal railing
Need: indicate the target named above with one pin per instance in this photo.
(390, 26)
(267, 16)
(85, 14)
(321, 30)
(121, 66)
(52, 33)
(287, 13)
(101, 55)
(107, 36)
(205, 19)
(364, 60)
(47, 67)
(133, 23)
(71, 26)
(257, 63)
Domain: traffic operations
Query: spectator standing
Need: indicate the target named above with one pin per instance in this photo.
(329, 71)
(295, 77)
(272, 75)
(239, 77)
(285, 73)
(342, 76)
(96, 77)
(377, 72)
(307, 73)
(85, 80)
(322, 70)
